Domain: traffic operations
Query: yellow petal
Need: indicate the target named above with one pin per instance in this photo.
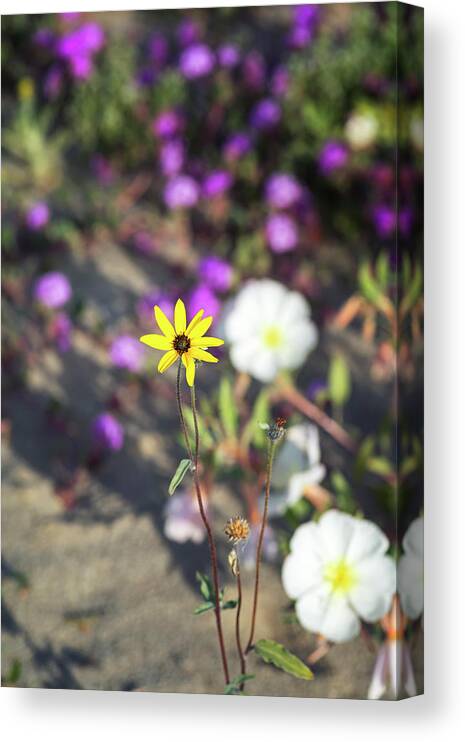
(201, 327)
(163, 323)
(206, 342)
(159, 342)
(167, 360)
(203, 355)
(189, 363)
(180, 317)
(196, 318)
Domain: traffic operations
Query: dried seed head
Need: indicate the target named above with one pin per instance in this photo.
(277, 429)
(233, 562)
(237, 529)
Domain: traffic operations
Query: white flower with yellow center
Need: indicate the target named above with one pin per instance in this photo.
(361, 130)
(338, 573)
(411, 570)
(268, 328)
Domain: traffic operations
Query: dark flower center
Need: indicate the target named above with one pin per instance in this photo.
(181, 344)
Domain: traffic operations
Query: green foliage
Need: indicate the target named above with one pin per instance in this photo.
(207, 591)
(184, 466)
(14, 673)
(234, 687)
(273, 653)
(260, 411)
(339, 383)
(227, 407)
(343, 493)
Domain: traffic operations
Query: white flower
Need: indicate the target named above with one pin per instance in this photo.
(182, 519)
(296, 467)
(338, 572)
(411, 571)
(269, 328)
(361, 130)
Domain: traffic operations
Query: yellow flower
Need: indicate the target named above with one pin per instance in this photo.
(186, 341)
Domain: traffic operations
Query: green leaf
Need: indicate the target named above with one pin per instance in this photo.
(382, 271)
(227, 407)
(379, 465)
(228, 604)
(272, 652)
(183, 467)
(364, 452)
(233, 687)
(203, 608)
(339, 385)
(369, 288)
(206, 587)
(14, 673)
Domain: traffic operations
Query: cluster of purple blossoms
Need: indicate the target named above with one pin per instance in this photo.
(168, 124)
(333, 156)
(228, 56)
(305, 19)
(384, 220)
(172, 157)
(216, 183)
(61, 328)
(282, 191)
(215, 273)
(237, 146)
(37, 216)
(78, 48)
(128, 353)
(202, 297)
(107, 432)
(188, 32)
(281, 233)
(158, 50)
(265, 115)
(181, 192)
(279, 84)
(196, 61)
(52, 290)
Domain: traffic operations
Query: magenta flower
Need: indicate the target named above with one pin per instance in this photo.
(45, 38)
(37, 216)
(128, 353)
(158, 50)
(61, 328)
(280, 82)
(167, 124)
(282, 191)
(182, 519)
(172, 157)
(333, 156)
(188, 32)
(202, 297)
(265, 115)
(52, 290)
(216, 273)
(384, 220)
(78, 47)
(216, 183)
(53, 82)
(181, 192)
(237, 146)
(107, 432)
(281, 233)
(253, 70)
(300, 36)
(228, 56)
(197, 61)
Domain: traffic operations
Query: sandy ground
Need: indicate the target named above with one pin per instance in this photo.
(96, 597)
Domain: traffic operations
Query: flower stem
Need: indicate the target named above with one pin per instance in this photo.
(238, 619)
(269, 469)
(194, 456)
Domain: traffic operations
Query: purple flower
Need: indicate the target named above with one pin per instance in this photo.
(384, 220)
(248, 552)
(172, 157)
(53, 82)
(102, 169)
(37, 216)
(215, 273)
(181, 192)
(78, 46)
(299, 37)
(281, 233)
(69, 17)
(305, 15)
(280, 82)
(237, 146)
(158, 50)
(146, 304)
(265, 114)
(45, 38)
(188, 32)
(61, 328)
(52, 290)
(127, 352)
(144, 242)
(107, 432)
(197, 61)
(282, 190)
(253, 70)
(333, 156)
(228, 56)
(202, 297)
(183, 521)
(167, 124)
(405, 221)
(216, 183)
(316, 388)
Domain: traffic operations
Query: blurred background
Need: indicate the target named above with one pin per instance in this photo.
(151, 155)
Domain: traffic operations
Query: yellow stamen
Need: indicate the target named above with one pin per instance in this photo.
(340, 575)
(272, 337)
